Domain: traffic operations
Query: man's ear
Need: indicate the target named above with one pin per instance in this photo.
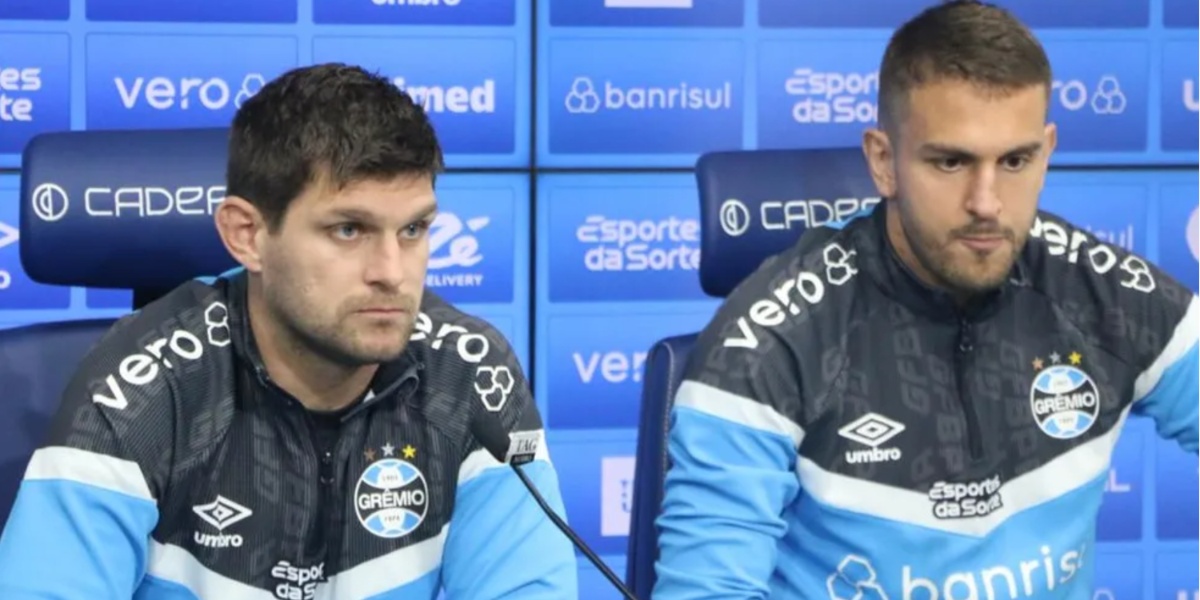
(241, 227)
(877, 149)
(1051, 139)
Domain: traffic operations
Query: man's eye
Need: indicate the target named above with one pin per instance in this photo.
(416, 230)
(1016, 163)
(346, 231)
(948, 164)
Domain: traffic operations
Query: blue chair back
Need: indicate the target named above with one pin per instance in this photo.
(128, 210)
(753, 205)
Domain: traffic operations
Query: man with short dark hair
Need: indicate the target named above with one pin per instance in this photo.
(939, 422)
(298, 428)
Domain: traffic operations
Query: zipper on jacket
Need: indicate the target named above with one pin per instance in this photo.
(328, 482)
(962, 361)
(327, 503)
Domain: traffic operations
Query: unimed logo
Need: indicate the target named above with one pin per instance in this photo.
(468, 86)
(478, 99)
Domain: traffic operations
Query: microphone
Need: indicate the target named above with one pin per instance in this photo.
(516, 449)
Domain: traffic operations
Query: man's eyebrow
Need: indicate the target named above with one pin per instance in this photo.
(950, 150)
(426, 212)
(365, 216)
(352, 214)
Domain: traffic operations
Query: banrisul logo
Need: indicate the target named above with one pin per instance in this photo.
(816, 94)
(467, 86)
(472, 243)
(616, 242)
(662, 101)
(177, 81)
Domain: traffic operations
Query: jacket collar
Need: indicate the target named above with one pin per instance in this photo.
(396, 378)
(899, 282)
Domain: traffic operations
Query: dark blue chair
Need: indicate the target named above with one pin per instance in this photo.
(125, 210)
(753, 204)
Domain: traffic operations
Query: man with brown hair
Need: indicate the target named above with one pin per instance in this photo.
(300, 428)
(938, 421)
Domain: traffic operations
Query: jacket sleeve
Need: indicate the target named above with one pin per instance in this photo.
(733, 450)
(1166, 390)
(1138, 312)
(81, 522)
(500, 544)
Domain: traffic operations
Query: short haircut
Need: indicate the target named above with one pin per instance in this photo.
(959, 40)
(330, 123)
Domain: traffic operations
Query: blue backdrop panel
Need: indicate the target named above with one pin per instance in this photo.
(644, 83)
(105, 64)
(639, 84)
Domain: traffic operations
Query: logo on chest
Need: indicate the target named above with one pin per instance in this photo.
(1064, 399)
(392, 496)
(220, 513)
(872, 430)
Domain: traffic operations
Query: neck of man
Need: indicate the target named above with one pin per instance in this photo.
(316, 382)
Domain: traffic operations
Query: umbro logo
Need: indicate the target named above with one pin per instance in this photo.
(873, 430)
(220, 513)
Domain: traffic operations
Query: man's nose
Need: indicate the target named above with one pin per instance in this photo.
(982, 199)
(386, 264)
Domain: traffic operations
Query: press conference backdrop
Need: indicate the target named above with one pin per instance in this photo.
(585, 270)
